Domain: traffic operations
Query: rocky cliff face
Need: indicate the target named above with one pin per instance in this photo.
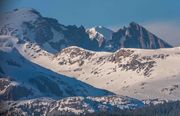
(135, 36)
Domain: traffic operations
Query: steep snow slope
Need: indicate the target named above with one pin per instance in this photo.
(142, 74)
(31, 80)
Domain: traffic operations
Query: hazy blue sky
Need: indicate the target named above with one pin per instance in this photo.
(159, 16)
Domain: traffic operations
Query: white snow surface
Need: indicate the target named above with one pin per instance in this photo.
(138, 73)
(32, 75)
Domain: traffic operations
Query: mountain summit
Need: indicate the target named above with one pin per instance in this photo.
(136, 36)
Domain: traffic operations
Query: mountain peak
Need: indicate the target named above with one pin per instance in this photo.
(26, 10)
(136, 26)
(136, 36)
(133, 24)
(18, 16)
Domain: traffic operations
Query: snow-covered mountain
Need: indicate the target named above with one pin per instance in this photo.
(29, 80)
(27, 87)
(27, 71)
(132, 72)
(128, 70)
(30, 25)
(49, 68)
(139, 73)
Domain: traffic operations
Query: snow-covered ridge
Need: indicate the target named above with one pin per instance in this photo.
(71, 105)
(128, 71)
(32, 79)
(136, 70)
